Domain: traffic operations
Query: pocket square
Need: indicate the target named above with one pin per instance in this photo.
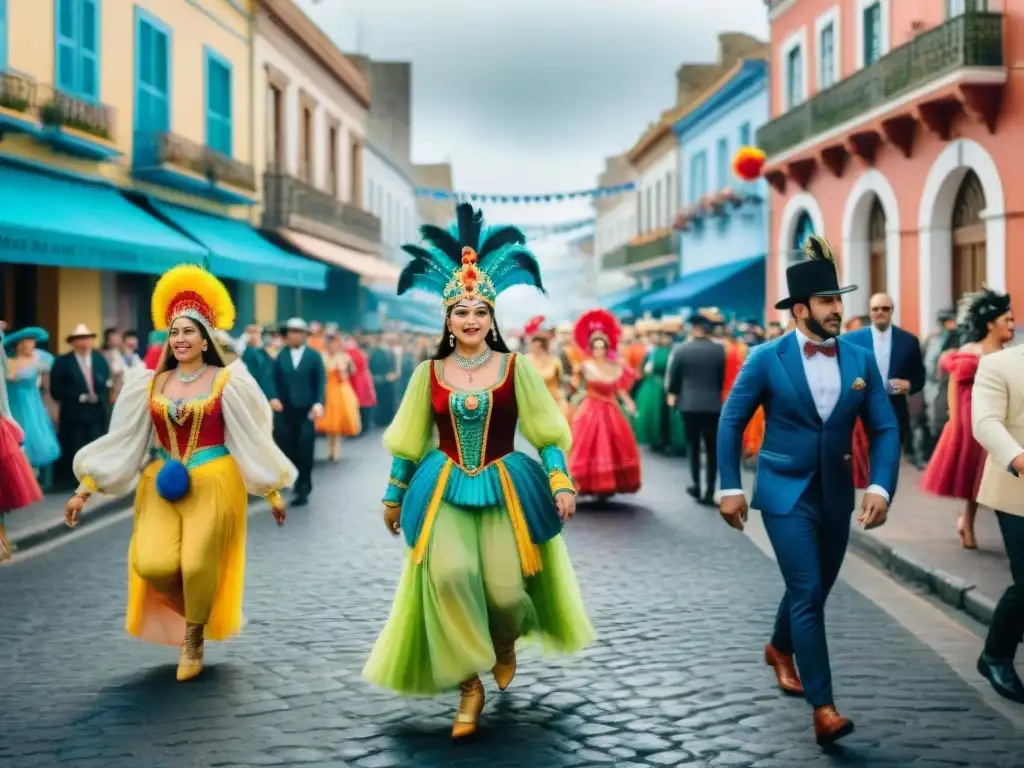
(858, 383)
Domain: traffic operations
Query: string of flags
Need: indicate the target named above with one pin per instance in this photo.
(534, 231)
(550, 197)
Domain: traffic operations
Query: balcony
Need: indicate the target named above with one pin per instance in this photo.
(177, 163)
(17, 104)
(655, 249)
(958, 64)
(290, 203)
(616, 259)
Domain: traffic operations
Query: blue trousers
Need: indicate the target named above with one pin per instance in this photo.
(809, 543)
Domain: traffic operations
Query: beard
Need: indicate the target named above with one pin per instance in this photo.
(820, 330)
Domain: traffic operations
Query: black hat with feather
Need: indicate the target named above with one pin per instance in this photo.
(816, 276)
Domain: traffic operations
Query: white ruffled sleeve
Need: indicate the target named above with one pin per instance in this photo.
(249, 435)
(112, 463)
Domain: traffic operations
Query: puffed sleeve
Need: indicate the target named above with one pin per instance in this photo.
(543, 425)
(111, 464)
(249, 436)
(408, 438)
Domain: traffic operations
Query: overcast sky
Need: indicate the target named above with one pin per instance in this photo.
(530, 96)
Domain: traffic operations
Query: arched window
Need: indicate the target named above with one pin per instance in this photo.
(804, 229)
(876, 247)
(969, 246)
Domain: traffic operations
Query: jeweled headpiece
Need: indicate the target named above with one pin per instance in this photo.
(192, 292)
(597, 323)
(469, 260)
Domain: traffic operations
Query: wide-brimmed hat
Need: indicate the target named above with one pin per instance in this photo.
(81, 331)
(817, 276)
(38, 335)
(295, 324)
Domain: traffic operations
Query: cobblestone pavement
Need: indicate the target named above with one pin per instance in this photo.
(682, 604)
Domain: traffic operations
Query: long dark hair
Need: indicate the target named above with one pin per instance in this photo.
(211, 356)
(494, 338)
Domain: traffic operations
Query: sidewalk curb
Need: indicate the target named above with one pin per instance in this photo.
(952, 590)
(55, 529)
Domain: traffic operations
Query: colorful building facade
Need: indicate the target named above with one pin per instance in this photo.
(893, 133)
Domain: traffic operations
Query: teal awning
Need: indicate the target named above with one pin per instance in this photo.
(402, 309)
(57, 221)
(239, 252)
(737, 286)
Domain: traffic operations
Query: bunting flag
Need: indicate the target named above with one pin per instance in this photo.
(534, 231)
(550, 197)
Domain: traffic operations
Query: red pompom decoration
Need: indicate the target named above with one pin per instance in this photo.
(748, 163)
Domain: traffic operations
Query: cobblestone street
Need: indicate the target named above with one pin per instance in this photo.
(682, 604)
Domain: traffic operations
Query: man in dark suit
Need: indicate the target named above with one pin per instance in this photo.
(80, 383)
(899, 358)
(696, 373)
(384, 367)
(257, 358)
(297, 397)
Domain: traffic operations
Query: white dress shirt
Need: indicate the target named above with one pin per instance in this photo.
(296, 353)
(826, 384)
(882, 341)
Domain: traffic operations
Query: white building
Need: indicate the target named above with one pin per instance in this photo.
(614, 226)
(390, 195)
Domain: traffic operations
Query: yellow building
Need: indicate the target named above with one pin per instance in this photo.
(127, 147)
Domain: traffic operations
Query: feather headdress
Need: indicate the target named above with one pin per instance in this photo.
(977, 310)
(817, 247)
(597, 323)
(469, 260)
(192, 292)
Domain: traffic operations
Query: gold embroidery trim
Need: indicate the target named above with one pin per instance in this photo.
(529, 552)
(423, 541)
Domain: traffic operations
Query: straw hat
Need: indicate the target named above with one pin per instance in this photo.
(81, 331)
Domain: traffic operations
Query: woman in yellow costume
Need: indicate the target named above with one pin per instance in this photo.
(546, 362)
(211, 428)
(486, 564)
(341, 417)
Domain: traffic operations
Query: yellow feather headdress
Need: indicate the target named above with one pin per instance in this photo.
(190, 291)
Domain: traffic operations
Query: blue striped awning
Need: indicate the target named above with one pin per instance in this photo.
(737, 285)
(58, 221)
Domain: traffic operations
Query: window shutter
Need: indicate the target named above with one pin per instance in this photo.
(66, 47)
(88, 50)
(3, 35)
(161, 96)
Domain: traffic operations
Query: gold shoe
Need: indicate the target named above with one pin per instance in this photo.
(470, 706)
(504, 668)
(190, 660)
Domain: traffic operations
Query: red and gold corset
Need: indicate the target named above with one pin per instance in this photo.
(190, 431)
(475, 429)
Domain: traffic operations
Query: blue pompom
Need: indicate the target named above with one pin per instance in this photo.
(173, 481)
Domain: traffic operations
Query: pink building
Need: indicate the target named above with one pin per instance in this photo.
(896, 128)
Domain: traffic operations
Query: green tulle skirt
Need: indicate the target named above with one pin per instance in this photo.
(657, 424)
(468, 595)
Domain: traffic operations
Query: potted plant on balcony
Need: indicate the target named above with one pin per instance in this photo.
(10, 98)
(55, 114)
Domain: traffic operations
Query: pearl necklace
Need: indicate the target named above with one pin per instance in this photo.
(188, 378)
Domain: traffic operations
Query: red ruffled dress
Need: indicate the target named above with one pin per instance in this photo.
(958, 461)
(361, 378)
(18, 486)
(605, 458)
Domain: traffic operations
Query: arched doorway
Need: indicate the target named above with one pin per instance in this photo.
(877, 264)
(969, 240)
(804, 229)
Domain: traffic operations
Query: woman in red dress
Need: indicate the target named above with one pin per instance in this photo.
(605, 459)
(18, 487)
(986, 325)
(362, 379)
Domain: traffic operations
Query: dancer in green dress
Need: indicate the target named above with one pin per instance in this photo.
(486, 564)
(658, 425)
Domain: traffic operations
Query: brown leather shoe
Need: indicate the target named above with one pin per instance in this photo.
(785, 670)
(829, 725)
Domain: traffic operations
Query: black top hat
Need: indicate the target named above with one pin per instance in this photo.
(815, 277)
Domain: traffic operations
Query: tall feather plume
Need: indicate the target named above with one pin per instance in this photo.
(513, 266)
(470, 222)
(496, 238)
(426, 270)
(444, 241)
(817, 247)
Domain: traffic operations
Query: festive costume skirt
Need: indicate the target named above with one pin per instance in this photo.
(187, 558)
(605, 459)
(467, 595)
(656, 424)
(29, 411)
(341, 410)
(956, 466)
(18, 486)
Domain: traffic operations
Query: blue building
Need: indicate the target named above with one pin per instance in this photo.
(723, 222)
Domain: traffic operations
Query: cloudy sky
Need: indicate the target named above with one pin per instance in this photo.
(530, 96)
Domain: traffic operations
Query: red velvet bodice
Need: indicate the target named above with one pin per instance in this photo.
(184, 428)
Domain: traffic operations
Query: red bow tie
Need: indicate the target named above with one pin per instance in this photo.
(812, 348)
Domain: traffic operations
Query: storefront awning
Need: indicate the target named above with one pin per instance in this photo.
(737, 286)
(362, 264)
(627, 301)
(239, 252)
(56, 221)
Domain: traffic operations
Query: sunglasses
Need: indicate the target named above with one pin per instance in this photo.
(881, 309)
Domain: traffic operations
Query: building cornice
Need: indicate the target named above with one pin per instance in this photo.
(290, 19)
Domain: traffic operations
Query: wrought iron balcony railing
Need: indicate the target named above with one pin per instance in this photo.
(153, 150)
(59, 109)
(285, 197)
(17, 92)
(974, 39)
(663, 245)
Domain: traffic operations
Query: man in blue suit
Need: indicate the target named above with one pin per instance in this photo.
(813, 386)
(898, 355)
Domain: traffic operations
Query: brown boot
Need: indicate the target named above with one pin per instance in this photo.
(785, 670)
(504, 668)
(829, 725)
(470, 706)
(190, 660)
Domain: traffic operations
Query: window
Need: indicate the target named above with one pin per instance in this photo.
(76, 52)
(804, 229)
(3, 35)
(649, 211)
(275, 128)
(218, 104)
(332, 159)
(657, 205)
(698, 176)
(152, 65)
(827, 56)
(306, 161)
(872, 26)
(959, 7)
(794, 77)
(723, 163)
(745, 134)
(670, 197)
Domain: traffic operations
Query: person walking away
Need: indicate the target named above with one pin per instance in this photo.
(298, 391)
(257, 359)
(384, 368)
(80, 382)
(815, 386)
(997, 415)
(695, 379)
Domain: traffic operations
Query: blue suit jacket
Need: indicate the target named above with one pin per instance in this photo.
(797, 445)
